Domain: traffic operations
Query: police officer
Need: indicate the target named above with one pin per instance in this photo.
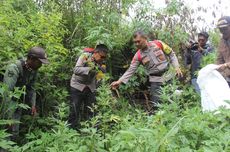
(23, 74)
(83, 84)
(154, 60)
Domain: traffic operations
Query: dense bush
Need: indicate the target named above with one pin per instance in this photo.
(120, 127)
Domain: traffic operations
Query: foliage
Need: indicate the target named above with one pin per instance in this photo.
(4, 143)
(214, 37)
(209, 59)
(23, 29)
(135, 82)
(63, 28)
(118, 127)
(7, 106)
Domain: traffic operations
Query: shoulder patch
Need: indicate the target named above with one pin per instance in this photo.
(10, 73)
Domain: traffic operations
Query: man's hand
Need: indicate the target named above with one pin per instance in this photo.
(115, 84)
(200, 49)
(102, 68)
(91, 65)
(222, 66)
(33, 111)
(179, 73)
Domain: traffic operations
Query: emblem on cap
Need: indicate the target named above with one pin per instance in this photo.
(222, 22)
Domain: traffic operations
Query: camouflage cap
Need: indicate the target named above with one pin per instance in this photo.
(223, 22)
(39, 53)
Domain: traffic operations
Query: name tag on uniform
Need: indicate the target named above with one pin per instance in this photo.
(145, 60)
(160, 55)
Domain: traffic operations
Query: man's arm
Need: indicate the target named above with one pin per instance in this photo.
(31, 91)
(187, 57)
(11, 76)
(126, 76)
(171, 54)
(207, 50)
(131, 70)
(220, 61)
(80, 68)
(220, 58)
(173, 59)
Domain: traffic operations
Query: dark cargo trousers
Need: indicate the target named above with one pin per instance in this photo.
(155, 94)
(80, 106)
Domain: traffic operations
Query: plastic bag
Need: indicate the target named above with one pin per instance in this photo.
(214, 88)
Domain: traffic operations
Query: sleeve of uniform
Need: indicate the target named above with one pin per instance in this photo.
(80, 68)
(131, 70)
(219, 59)
(33, 98)
(11, 75)
(32, 91)
(171, 54)
(187, 58)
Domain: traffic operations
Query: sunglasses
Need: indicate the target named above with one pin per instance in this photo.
(103, 57)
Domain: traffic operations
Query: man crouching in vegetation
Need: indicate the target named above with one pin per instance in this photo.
(23, 74)
(83, 84)
(154, 58)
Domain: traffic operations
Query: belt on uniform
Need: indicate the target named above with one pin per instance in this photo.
(160, 73)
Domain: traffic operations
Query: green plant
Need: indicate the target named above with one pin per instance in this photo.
(5, 143)
(11, 100)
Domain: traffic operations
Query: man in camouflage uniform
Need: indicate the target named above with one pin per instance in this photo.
(83, 84)
(223, 54)
(154, 60)
(23, 74)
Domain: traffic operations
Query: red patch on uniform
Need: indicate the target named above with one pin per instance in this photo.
(133, 60)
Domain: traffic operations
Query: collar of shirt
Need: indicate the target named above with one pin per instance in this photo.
(27, 67)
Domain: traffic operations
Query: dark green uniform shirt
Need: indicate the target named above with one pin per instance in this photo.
(17, 75)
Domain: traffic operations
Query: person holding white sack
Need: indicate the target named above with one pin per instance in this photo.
(214, 80)
(215, 91)
(223, 53)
